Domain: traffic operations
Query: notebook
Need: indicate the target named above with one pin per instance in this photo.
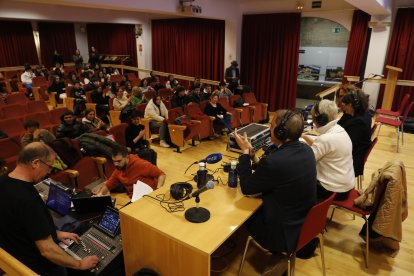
(59, 199)
(85, 203)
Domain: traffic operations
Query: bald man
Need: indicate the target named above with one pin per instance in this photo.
(27, 230)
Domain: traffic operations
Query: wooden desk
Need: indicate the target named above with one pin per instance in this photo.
(169, 244)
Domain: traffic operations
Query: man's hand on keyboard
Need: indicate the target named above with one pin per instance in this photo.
(88, 262)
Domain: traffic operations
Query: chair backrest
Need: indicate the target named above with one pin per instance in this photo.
(249, 98)
(131, 76)
(36, 106)
(88, 96)
(37, 81)
(14, 110)
(203, 105)
(16, 98)
(373, 143)
(193, 109)
(174, 113)
(141, 109)
(111, 103)
(149, 94)
(9, 147)
(314, 223)
(55, 115)
(118, 132)
(406, 111)
(12, 127)
(68, 91)
(234, 98)
(115, 78)
(13, 266)
(165, 93)
(404, 103)
(41, 117)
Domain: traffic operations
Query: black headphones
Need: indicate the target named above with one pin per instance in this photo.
(355, 100)
(180, 190)
(281, 132)
(321, 119)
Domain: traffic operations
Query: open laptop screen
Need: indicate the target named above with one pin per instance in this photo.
(59, 200)
(110, 222)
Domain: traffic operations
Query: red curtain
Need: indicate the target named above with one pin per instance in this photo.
(17, 45)
(113, 39)
(357, 44)
(270, 56)
(189, 46)
(401, 54)
(56, 36)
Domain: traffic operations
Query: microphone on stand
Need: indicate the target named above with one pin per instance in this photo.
(212, 158)
(199, 214)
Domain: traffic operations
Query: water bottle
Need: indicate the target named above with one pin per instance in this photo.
(232, 182)
(201, 175)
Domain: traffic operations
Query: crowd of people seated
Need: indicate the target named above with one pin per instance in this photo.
(332, 159)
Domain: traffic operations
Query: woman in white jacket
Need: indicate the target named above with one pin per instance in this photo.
(158, 113)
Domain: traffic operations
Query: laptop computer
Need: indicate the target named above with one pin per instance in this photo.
(59, 199)
(85, 203)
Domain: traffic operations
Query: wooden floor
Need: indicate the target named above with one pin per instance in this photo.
(343, 246)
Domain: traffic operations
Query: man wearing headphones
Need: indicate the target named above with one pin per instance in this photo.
(333, 152)
(286, 178)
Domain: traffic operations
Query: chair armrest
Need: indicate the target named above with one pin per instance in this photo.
(252, 107)
(99, 160)
(12, 266)
(212, 118)
(146, 123)
(91, 106)
(72, 173)
(177, 134)
(36, 93)
(195, 121)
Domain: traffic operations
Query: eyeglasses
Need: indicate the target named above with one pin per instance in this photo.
(44, 163)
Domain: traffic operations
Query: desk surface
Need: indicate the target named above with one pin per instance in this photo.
(229, 209)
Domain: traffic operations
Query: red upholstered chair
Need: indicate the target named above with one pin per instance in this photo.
(395, 123)
(259, 109)
(235, 113)
(12, 127)
(118, 132)
(206, 123)
(36, 106)
(397, 113)
(245, 113)
(165, 94)
(149, 94)
(55, 114)
(187, 130)
(17, 98)
(131, 76)
(115, 78)
(14, 110)
(348, 206)
(41, 117)
(9, 151)
(37, 81)
(313, 227)
(360, 177)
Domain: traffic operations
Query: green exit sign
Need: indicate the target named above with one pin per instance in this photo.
(336, 30)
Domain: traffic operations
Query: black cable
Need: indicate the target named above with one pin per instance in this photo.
(167, 204)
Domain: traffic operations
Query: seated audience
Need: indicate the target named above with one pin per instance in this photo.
(206, 94)
(196, 82)
(171, 83)
(179, 98)
(34, 134)
(27, 230)
(57, 86)
(69, 126)
(144, 85)
(224, 91)
(103, 79)
(152, 78)
(138, 96)
(41, 71)
(158, 113)
(79, 98)
(101, 99)
(72, 78)
(93, 85)
(121, 100)
(333, 152)
(58, 70)
(288, 193)
(78, 60)
(195, 95)
(355, 105)
(27, 78)
(216, 110)
(91, 122)
(130, 169)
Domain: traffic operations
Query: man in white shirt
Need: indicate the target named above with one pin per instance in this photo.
(333, 152)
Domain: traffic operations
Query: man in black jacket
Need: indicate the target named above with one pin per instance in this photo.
(70, 127)
(286, 178)
(232, 75)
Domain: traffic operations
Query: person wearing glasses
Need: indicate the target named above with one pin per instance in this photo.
(27, 231)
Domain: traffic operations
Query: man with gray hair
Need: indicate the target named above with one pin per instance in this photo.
(333, 152)
(27, 230)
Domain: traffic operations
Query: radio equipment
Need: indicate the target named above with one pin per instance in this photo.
(257, 134)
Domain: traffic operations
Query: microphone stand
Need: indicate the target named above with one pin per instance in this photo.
(197, 214)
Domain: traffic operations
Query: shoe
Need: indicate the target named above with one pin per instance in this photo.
(164, 144)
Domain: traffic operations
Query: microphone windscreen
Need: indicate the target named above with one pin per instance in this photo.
(214, 158)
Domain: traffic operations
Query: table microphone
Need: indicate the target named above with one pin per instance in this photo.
(199, 214)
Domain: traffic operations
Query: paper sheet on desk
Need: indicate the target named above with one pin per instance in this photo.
(140, 189)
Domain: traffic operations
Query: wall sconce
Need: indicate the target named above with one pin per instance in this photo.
(82, 28)
(300, 5)
(140, 48)
(138, 30)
